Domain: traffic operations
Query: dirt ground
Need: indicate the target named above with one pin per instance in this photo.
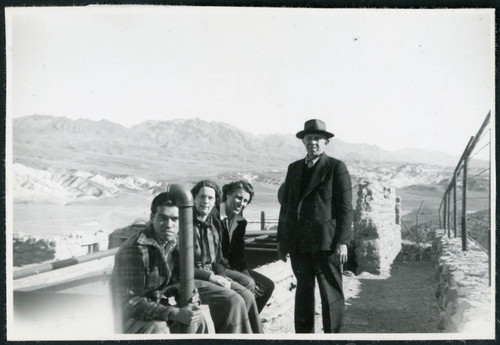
(401, 303)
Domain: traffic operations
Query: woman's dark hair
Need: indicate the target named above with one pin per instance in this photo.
(162, 199)
(230, 188)
(207, 183)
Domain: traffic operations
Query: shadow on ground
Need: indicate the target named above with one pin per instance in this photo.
(402, 303)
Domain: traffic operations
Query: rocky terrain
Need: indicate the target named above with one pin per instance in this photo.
(42, 138)
(71, 176)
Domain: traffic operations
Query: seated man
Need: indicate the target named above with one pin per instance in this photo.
(146, 267)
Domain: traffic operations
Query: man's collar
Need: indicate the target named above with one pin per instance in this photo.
(314, 160)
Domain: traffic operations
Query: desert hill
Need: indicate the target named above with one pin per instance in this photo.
(41, 140)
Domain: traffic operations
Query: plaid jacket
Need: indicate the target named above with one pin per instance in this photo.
(143, 272)
(217, 266)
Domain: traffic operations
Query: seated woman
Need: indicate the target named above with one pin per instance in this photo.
(235, 197)
(211, 278)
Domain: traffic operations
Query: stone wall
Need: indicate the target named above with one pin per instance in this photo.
(463, 294)
(411, 251)
(377, 237)
(29, 249)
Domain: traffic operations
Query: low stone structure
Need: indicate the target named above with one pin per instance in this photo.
(377, 237)
(463, 292)
(29, 249)
(411, 251)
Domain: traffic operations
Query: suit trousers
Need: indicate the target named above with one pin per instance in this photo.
(323, 267)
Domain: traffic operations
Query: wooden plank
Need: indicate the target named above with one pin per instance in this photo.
(65, 275)
(256, 249)
(256, 238)
(261, 232)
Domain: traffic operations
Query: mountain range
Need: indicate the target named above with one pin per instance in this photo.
(43, 141)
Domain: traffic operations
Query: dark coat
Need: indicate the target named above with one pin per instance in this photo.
(234, 250)
(324, 204)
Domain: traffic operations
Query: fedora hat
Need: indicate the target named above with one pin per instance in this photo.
(314, 126)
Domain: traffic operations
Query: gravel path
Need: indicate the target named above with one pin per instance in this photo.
(401, 303)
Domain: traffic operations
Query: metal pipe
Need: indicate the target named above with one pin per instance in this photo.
(50, 266)
(183, 199)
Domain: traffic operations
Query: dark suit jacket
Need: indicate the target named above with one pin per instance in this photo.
(326, 202)
(234, 250)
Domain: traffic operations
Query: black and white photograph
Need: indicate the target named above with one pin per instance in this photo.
(212, 172)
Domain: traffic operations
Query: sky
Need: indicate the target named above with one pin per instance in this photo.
(393, 78)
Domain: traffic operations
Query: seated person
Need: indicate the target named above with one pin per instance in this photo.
(146, 266)
(210, 274)
(235, 197)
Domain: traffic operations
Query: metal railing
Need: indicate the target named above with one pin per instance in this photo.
(475, 206)
(264, 222)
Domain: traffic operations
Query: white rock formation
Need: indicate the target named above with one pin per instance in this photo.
(377, 236)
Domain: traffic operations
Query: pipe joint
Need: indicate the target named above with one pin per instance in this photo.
(181, 195)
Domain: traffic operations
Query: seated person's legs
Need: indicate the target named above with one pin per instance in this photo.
(227, 308)
(134, 326)
(251, 306)
(264, 289)
(242, 279)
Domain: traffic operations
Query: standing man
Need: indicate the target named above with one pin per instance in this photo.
(315, 227)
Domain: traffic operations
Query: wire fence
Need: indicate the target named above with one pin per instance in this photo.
(465, 209)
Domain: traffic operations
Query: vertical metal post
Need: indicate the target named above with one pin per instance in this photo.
(439, 213)
(416, 220)
(449, 214)
(464, 207)
(262, 220)
(455, 205)
(184, 201)
(444, 213)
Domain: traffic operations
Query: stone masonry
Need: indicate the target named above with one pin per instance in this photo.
(29, 249)
(377, 237)
(463, 292)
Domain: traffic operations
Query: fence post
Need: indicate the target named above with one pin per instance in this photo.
(262, 220)
(416, 227)
(464, 207)
(439, 213)
(444, 213)
(398, 210)
(449, 214)
(455, 204)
